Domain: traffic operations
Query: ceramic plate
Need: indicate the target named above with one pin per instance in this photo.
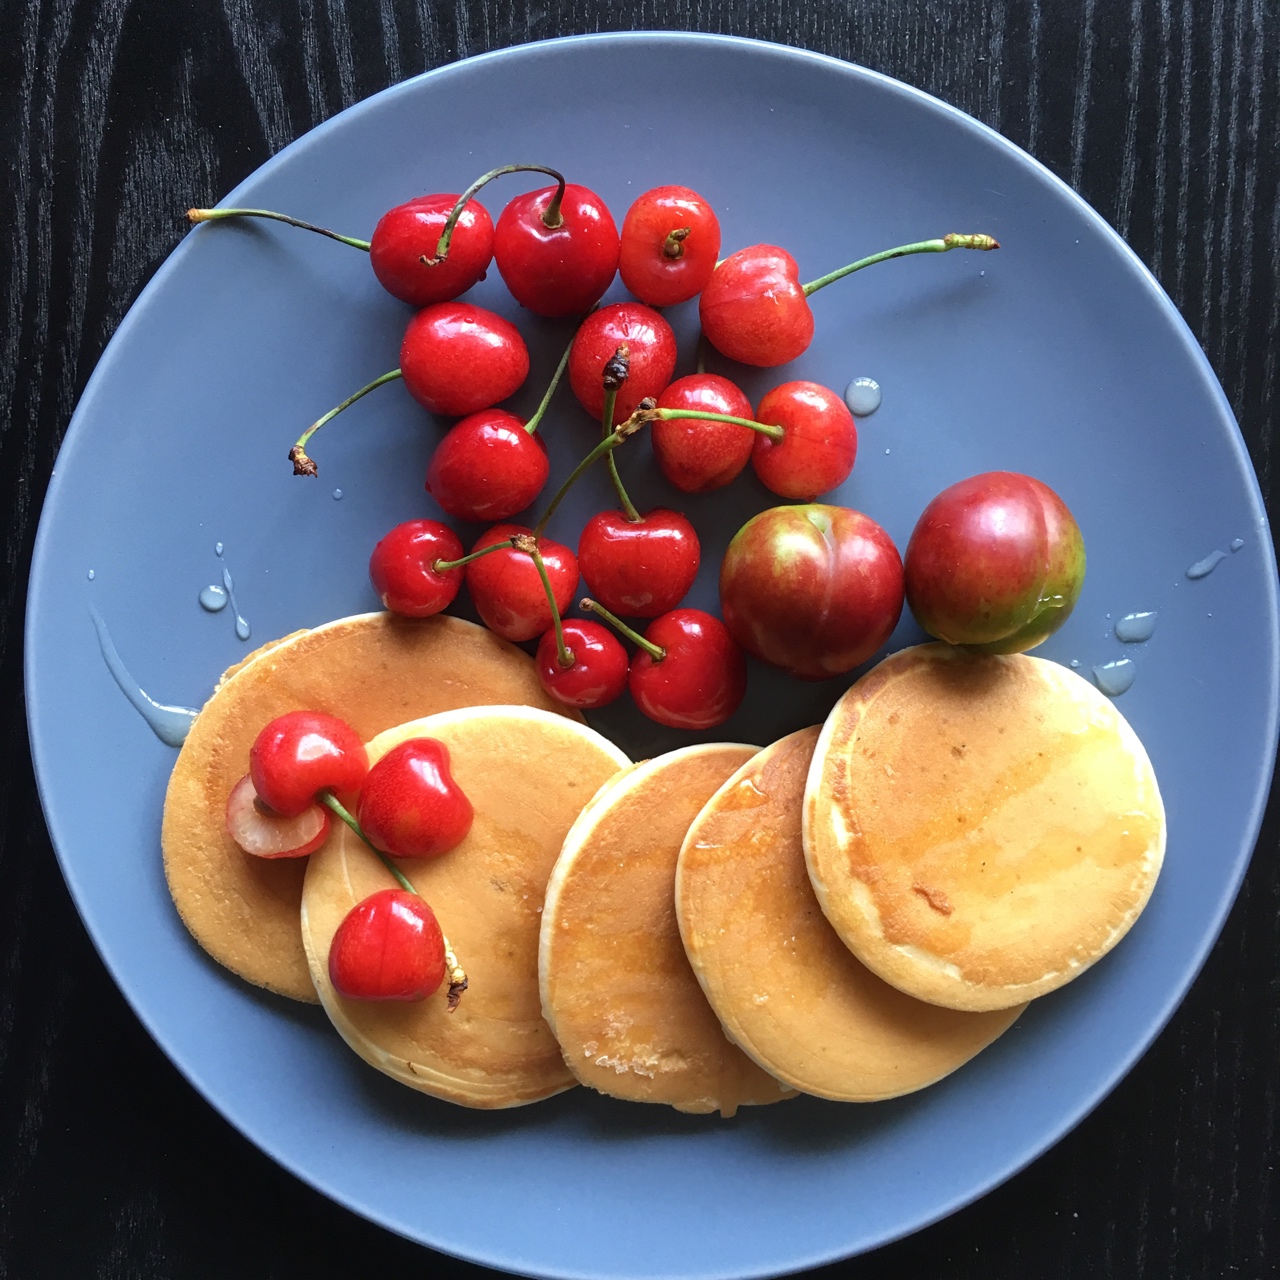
(1058, 356)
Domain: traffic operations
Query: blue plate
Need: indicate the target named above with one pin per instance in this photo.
(1058, 356)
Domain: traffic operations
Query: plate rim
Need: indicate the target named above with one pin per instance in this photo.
(1197, 360)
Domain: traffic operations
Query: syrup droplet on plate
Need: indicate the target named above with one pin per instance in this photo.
(1115, 678)
(169, 724)
(1134, 628)
(1202, 568)
(862, 396)
(213, 598)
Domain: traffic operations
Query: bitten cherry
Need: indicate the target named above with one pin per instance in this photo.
(817, 451)
(651, 353)
(557, 249)
(271, 835)
(670, 243)
(457, 358)
(389, 946)
(639, 568)
(598, 672)
(403, 569)
(507, 591)
(301, 753)
(410, 806)
(700, 454)
(410, 232)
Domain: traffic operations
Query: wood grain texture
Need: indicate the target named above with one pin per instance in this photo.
(114, 113)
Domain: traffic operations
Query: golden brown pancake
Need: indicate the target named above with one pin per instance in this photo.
(528, 774)
(616, 986)
(787, 990)
(374, 671)
(980, 830)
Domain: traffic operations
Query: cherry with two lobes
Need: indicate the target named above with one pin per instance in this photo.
(755, 310)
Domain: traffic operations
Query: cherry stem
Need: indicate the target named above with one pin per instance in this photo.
(334, 805)
(616, 371)
(529, 545)
(453, 970)
(668, 415)
(673, 245)
(656, 652)
(444, 566)
(952, 241)
(215, 215)
(607, 445)
(551, 217)
(532, 425)
(302, 464)
(702, 352)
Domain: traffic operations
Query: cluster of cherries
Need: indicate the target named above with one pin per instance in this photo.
(558, 250)
(389, 946)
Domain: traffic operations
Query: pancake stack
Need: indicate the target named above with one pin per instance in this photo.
(527, 774)
(852, 912)
(374, 671)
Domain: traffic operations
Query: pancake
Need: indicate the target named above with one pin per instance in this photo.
(787, 990)
(374, 670)
(616, 986)
(528, 774)
(980, 830)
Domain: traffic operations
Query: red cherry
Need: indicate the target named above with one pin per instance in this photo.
(599, 671)
(700, 681)
(754, 309)
(561, 270)
(411, 231)
(698, 455)
(302, 753)
(639, 568)
(270, 835)
(670, 243)
(507, 591)
(410, 806)
(402, 568)
(651, 349)
(821, 441)
(487, 467)
(388, 947)
(457, 358)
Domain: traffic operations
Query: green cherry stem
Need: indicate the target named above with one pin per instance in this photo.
(532, 425)
(529, 545)
(302, 464)
(702, 352)
(607, 445)
(616, 371)
(655, 651)
(216, 215)
(443, 566)
(946, 243)
(551, 217)
(453, 970)
(669, 415)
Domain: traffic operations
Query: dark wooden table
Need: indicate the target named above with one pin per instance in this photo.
(1163, 113)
